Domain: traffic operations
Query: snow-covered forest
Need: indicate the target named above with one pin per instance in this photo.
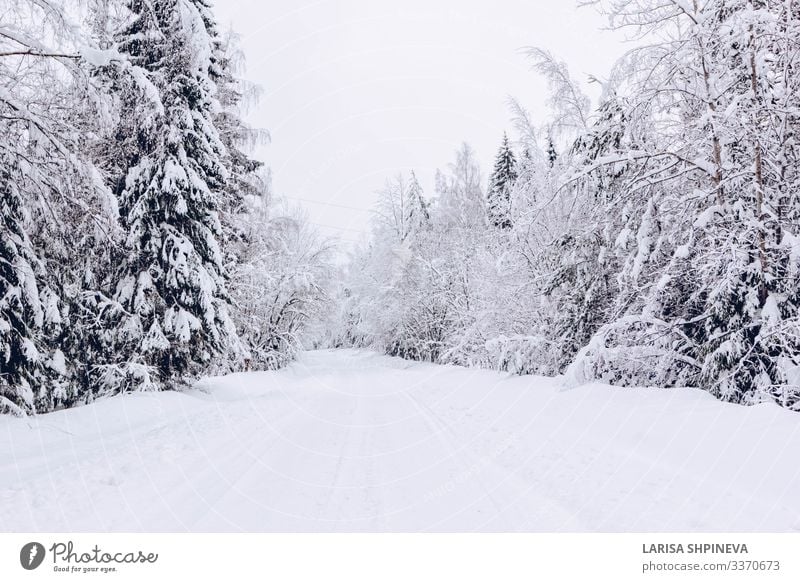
(141, 245)
(648, 240)
(554, 331)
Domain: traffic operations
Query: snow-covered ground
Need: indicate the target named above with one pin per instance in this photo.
(353, 441)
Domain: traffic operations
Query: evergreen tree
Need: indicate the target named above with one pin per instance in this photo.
(172, 287)
(245, 174)
(26, 306)
(416, 209)
(552, 154)
(500, 184)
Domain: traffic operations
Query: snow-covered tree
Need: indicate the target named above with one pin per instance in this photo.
(498, 196)
(410, 295)
(280, 284)
(461, 203)
(172, 295)
(552, 153)
(56, 205)
(391, 289)
(418, 214)
(402, 209)
(27, 309)
(716, 301)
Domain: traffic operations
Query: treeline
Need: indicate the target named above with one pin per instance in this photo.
(652, 241)
(140, 245)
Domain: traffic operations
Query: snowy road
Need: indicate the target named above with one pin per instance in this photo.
(353, 441)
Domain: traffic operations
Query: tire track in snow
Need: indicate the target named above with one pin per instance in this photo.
(440, 430)
(513, 487)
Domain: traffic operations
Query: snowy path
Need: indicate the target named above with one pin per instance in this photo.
(353, 441)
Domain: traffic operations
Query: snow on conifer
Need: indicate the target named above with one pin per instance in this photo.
(172, 283)
(500, 184)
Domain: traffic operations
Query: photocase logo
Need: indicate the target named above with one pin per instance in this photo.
(31, 555)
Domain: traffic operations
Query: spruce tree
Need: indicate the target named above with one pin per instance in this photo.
(243, 171)
(500, 183)
(552, 154)
(27, 307)
(172, 287)
(415, 207)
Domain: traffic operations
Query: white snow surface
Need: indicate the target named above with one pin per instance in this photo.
(349, 440)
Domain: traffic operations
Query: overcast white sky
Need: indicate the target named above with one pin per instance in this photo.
(356, 90)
